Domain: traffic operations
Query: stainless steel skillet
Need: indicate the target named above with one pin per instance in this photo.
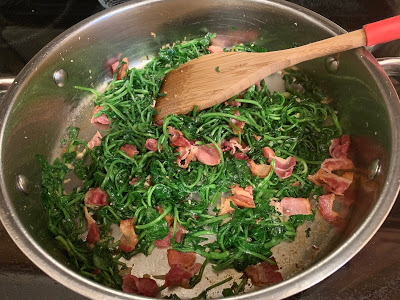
(36, 111)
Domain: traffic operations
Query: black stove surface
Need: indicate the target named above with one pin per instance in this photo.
(26, 26)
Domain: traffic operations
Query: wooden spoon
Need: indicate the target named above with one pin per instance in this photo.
(214, 78)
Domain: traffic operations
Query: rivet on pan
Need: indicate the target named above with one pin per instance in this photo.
(23, 184)
(374, 169)
(332, 65)
(60, 77)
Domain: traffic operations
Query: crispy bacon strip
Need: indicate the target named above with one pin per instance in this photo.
(186, 155)
(95, 198)
(94, 234)
(237, 123)
(122, 70)
(233, 144)
(289, 206)
(263, 274)
(95, 141)
(283, 167)
(260, 170)
(180, 276)
(129, 149)
(215, 49)
(177, 138)
(243, 197)
(139, 286)
(207, 154)
(257, 137)
(129, 238)
(241, 156)
(225, 206)
(326, 207)
(168, 217)
(334, 164)
(134, 181)
(333, 183)
(166, 242)
(339, 146)
(185, 259)
(102, 119)
(233, 103)
(151, 144)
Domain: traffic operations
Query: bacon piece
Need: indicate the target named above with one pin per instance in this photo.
(314, 179)
(237, 123)
(122, 70)
(95, 141)
(293, 206)
(151, 144)
(333, 164)
(226, 206)
(333, 183)
(283, 167)
(297, 183)
(263, 274)
(241, 147)
(95, 198)
(112, 60)
(129, 149)
(129, 238)
(139, 286)
(185, 259)
(257, 137)
(166, 242)
(260, 170)
(339, 146)
(168, 217)
(243, 197)
(134, 180)
(215, 49)
(325, 203)
(186, 155)
(96, 271)
(233, 144)
(102, 119)
(178, 275)
(147, 182)
(233, 103)
(234, 37)
(177, 138)
(241, 156)
(94, 234)
(207, 154)
(160, 122)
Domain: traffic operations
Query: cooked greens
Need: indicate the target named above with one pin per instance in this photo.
(293, 124)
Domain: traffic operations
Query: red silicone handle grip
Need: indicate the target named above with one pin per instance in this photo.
(382, 31)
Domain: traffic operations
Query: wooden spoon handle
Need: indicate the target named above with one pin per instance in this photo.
(212, 79)
(374, 33)
(322, 48)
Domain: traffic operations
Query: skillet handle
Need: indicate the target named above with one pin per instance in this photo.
(5, 83)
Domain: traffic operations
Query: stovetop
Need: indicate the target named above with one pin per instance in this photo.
(26, 26)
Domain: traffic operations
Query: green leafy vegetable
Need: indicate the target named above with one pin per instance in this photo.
(292, 125)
